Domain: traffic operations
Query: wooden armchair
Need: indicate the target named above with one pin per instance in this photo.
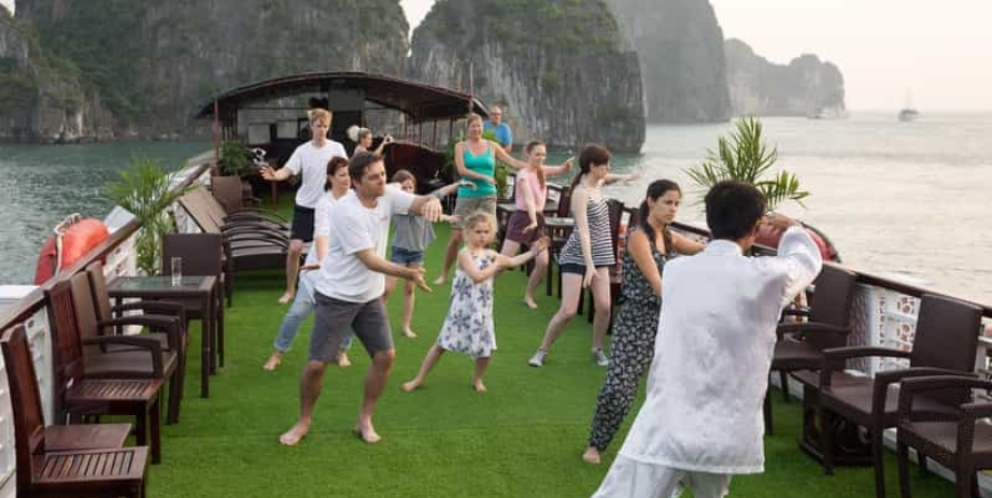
(945, 343)
(156, 315)
(69, 468)
(616, 209)
(961, 442)
(800, 345)
(79, 393)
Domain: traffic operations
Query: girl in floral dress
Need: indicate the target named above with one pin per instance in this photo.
(469, 328)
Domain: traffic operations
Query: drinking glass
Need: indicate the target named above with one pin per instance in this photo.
(177, 271)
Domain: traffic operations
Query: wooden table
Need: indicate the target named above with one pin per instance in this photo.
(203, 288)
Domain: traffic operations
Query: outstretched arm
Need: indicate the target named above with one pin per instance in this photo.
(557, 170)
(467, 265)
(373, 262)
(685, 245)
(503, 156)
(505, 262)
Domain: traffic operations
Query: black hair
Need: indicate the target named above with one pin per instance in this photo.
(333, 166)
(733, 209)
(657, 189)
(360, 163)
(591, 155)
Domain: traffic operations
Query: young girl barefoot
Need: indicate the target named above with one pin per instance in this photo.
(468, 327)
(412, 234)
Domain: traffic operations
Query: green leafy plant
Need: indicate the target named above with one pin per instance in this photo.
(144, 190)
(746, 158)
(503, 170)
(235, 158)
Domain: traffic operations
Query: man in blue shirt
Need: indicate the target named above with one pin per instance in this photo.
(502, 130)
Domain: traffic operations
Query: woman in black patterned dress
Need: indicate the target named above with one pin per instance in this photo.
(649, 245)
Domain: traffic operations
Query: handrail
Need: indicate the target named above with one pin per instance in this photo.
(34, 301)
(862, 277)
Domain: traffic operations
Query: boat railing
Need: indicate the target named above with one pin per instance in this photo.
(119, 258)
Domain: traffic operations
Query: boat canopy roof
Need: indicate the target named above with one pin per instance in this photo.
(419, 101)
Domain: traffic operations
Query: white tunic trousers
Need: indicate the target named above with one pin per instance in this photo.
(716, 338)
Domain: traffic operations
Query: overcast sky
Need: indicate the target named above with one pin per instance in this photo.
(940, 52)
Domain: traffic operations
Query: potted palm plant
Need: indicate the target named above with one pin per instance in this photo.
(145, 190)
(235, 159)
(746, 158)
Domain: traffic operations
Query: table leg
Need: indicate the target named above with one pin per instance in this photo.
(206, 349)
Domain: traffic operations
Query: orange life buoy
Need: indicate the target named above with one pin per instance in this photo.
(768, 237)
(73, 238)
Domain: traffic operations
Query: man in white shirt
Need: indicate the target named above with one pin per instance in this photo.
(350, 284)
(701, 421)
(310, 161)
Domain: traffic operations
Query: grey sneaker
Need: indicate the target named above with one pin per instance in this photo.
(538, 359)
(600, 358)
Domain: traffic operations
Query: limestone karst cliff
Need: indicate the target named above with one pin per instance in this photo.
(152, 63)
(557, 67)
(41, 98)
(806, 86)
(680, 45)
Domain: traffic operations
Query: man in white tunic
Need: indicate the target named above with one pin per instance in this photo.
(701, 422)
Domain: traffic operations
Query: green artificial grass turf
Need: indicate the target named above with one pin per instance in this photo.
(523, 438)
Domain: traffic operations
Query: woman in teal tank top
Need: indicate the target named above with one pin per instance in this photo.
(475, 160)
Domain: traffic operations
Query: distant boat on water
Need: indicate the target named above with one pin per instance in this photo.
(908, 112)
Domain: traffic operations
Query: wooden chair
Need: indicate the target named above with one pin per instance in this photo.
(47, 470)
(961, 442)
(202, 255)
(559, 235)
(800, 345)
(945, 343)
(161, 315)
(78, 394)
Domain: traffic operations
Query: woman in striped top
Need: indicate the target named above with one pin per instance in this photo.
(586, 256)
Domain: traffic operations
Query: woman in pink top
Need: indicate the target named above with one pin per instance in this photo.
(526, 224)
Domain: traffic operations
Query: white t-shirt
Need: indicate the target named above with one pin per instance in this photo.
(312, 161)
(322, 226)
(357, 228)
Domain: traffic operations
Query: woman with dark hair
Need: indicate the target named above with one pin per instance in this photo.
(526, 224)
(338, 184)
(587, 255)
(649, 245)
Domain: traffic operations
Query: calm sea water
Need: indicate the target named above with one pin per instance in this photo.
(909, 200)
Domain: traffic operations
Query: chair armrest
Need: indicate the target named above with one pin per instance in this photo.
(910, 387)
(810, 328)
(154, 307)
(882, 381)
(796, 311)
(170, 324)
(153, 347)
(834, 359)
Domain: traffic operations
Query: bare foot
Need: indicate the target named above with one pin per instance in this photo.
(479, 386)
(409, 333)
(440, 280)
(287, 297)
(530, 303)
(591, 455)
(410, 386)
(343, 360)
(295, 434)
(273, 361)
(369, 436)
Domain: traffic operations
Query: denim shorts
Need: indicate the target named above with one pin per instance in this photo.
(402, 256)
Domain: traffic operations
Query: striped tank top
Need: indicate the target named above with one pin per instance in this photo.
(601, 242)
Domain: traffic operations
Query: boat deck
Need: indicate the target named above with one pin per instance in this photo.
(522, 438)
